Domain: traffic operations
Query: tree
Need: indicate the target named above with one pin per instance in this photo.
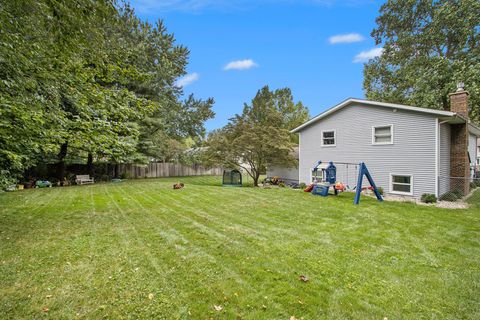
(82, 77)
(429, 47)
(260, 136)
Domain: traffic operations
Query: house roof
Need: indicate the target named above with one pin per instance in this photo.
(439, 113)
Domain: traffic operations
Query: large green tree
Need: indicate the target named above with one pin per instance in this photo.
(260, 136)
(84, 77)
(429, 47)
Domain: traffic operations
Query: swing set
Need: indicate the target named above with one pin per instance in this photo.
(324, 176)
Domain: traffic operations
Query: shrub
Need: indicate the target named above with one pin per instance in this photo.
(458, 193)
(449, 196)
(6, 180)
(125, 175)
(302, 185)
(428, 198)
(380, 190)
(281, 184)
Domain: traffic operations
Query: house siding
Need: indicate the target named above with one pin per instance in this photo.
(444, 161)
(288, 174)
(472, 148)
(412, 152)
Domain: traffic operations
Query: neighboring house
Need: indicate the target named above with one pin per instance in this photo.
(478, 154)
(287, 174)
(408, 150)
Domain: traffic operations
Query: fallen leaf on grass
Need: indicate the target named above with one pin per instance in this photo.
(303, 278)
(45, 309)
(48, 296)
(293, 318)
(218, 308)
(150, 296)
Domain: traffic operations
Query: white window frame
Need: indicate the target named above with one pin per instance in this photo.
(382, 126)
(334, 139)
(401, 192)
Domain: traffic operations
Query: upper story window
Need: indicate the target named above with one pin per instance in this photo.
(382, 135)
(329, 138)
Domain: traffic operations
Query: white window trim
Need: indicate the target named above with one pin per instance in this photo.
(400, 192)
(334, 139)
(381, 126)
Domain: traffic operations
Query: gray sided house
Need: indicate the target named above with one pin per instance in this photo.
(288, 174)
(408, 150)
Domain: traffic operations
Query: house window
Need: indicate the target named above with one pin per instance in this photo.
(328, 138)
(382, 135)
(401, 184)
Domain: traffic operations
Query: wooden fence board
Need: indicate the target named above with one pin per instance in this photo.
(161, 170)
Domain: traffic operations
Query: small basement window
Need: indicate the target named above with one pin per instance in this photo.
(382, 135)
(328, 138)
(401, 184)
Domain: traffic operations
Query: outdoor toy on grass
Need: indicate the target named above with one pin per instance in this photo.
(232, 178)
(43, 184)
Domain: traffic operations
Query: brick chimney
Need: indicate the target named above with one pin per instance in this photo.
(459, 101)
(459, 164)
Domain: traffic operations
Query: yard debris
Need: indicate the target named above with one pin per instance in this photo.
(303, 278)
(293, 318)
(218, 308)
(48, 296)
(178, 185)
(45, 309)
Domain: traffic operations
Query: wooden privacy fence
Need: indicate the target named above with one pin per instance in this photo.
(159, 170)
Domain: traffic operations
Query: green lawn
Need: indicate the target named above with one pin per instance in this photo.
(139, 249)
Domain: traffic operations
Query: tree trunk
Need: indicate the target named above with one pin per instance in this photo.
(115, 171)
(61, 162)
(255, 179)
(90, 164)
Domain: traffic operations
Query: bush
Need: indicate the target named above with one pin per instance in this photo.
(380, 190)
(124, 176)
(458, 193)
(449, 196)
(428, 198)
(6, 180)
(302, 185)
(281, 184)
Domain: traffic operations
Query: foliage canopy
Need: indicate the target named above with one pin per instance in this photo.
(429, 47)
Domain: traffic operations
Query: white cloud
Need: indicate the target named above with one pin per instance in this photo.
(240, 65)
(187, 79)
(364, 56)
(346, 38)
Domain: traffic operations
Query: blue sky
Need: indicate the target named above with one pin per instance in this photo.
(315, 47)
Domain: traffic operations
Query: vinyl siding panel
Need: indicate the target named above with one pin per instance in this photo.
(472, 148)
(444, 162)
(412, 151)
(288, 174)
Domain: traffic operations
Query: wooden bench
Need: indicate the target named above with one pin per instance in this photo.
(83, 179)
